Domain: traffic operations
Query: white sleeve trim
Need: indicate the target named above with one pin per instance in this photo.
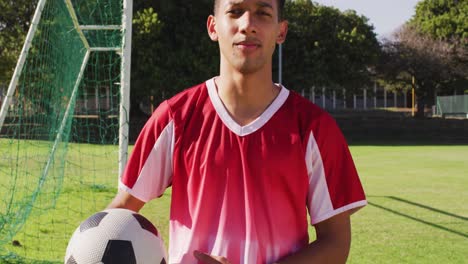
(356, 205)
(124, 187)
(318, 198)
(156, 174)
(318, 201)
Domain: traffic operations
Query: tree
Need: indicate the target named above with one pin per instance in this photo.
(447, 20)
(442, 19)
(171, 50)
(432, 62)
(433, 48)
(327, 47)
(15, 19)
(146, 32)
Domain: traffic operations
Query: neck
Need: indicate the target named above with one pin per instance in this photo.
(246, 96)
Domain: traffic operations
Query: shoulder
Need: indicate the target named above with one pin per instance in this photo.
(312, 121)
(188, 97)
(182, 103)
(311, 116)
(304, 104)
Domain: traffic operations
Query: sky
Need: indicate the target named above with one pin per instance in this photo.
(385, 15)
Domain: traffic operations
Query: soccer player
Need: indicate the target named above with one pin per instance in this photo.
(246, 158)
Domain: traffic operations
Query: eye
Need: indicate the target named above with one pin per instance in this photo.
(264, 13)
(235, 11)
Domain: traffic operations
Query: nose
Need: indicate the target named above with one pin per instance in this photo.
(247, 23)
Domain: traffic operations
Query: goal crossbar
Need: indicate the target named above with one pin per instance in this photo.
(98, 27)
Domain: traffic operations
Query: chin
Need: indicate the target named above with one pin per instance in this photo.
(249, 68)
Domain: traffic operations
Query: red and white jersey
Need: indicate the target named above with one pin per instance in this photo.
(242, 191)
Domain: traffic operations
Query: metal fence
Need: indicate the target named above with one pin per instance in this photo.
(376, 97)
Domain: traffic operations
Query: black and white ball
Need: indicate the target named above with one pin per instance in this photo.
(116, 236)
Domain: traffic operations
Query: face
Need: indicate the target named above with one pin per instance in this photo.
(247, 32)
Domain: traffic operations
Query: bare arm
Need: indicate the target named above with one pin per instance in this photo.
(332, 243)
(125, 200)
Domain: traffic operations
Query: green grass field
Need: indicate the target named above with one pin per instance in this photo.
(418, 205)
(417, 212)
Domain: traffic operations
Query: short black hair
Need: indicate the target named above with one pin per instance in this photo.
(280, 7)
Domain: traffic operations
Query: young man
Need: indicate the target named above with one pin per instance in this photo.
(246, 157)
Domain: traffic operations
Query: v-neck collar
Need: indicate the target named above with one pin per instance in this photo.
(254, 125)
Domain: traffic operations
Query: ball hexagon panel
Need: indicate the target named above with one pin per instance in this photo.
(119, 252)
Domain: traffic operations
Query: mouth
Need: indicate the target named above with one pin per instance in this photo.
(247, 45)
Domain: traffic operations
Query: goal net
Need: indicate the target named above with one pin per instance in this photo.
(453, 105)
(63, 125)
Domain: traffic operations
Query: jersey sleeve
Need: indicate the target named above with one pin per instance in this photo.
(334, 185)
(149, 169)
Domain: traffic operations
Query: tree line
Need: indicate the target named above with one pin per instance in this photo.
(324, 47)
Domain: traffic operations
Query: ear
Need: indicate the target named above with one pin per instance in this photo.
(283, 31)
(211, 27)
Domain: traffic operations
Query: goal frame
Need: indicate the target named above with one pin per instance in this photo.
(124, 51)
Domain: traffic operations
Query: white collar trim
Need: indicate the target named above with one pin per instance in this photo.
(254, 125)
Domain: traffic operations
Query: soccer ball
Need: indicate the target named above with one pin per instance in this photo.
(116, 236)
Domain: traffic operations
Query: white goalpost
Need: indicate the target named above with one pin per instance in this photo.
(125, 85)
